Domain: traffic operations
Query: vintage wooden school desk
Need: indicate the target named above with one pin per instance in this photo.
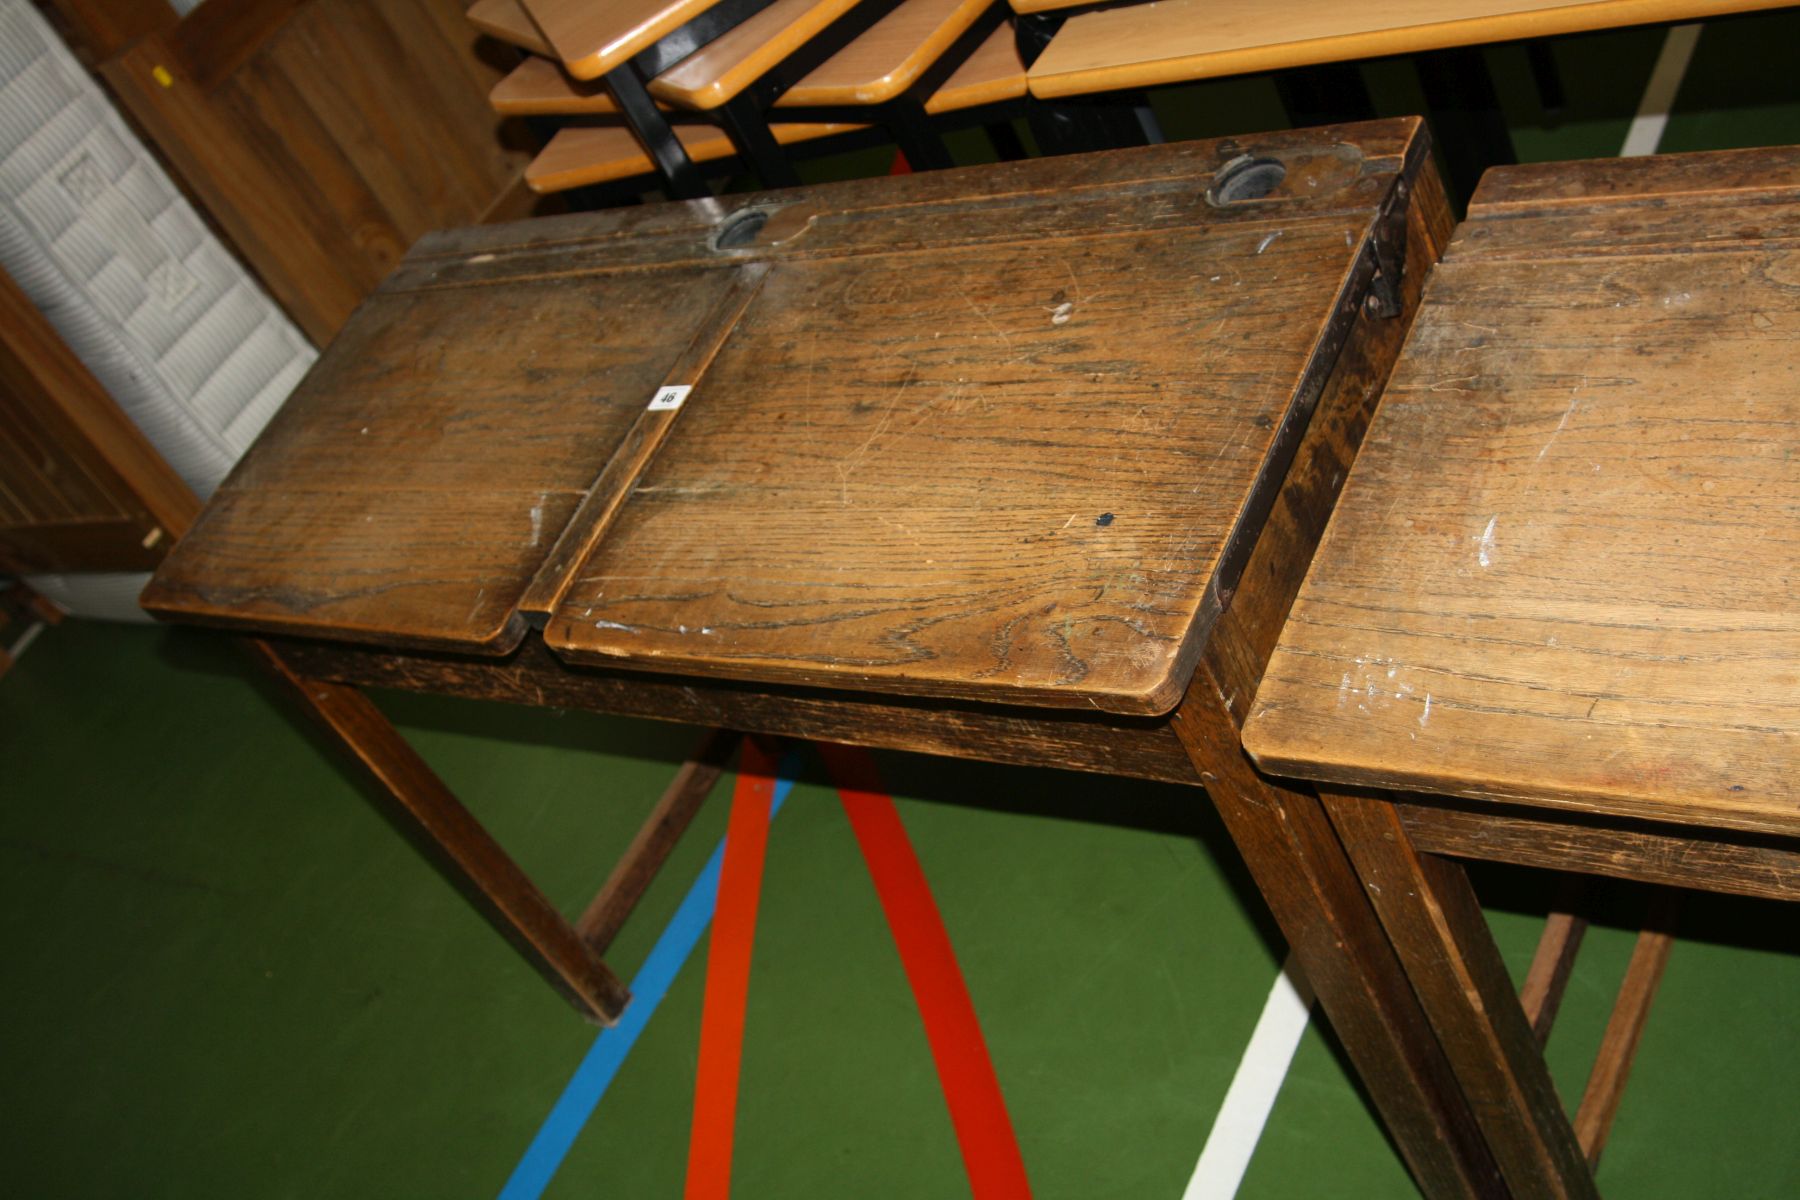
(1561, 590)
(1020, 462)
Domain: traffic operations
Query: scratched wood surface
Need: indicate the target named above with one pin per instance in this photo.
(1564, 568)
(993, 452)
(410, 487)
(988, 434)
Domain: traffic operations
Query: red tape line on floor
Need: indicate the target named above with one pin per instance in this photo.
(977, 1108)
(728, 979)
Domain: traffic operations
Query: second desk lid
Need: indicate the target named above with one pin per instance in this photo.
(994, 443)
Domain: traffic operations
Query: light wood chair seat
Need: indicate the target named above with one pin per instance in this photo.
(720, 70)
(1148, 45)
(993, 74)
(508, 21)
(583, 155)
(881, 64)
(538, 87)
(591, 38)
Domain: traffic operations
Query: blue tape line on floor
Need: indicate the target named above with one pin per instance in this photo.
(651, 984)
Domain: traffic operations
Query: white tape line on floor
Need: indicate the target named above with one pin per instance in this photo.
(1260, 1072)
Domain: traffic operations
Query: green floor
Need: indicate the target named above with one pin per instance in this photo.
(227, 976)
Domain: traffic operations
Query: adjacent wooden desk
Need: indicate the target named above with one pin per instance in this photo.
(1021, 463)
(1561, 592)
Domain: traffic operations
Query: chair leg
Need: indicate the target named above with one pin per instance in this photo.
(1325, 94)
(469, 855)
(1467, 124)
(680, 176)
(747, 123)
(911, 129)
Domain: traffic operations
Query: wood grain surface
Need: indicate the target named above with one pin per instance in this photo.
(1564, 568)
(346, 132)
(885, 60)
(409, 489)
(1145, 45)
(995, 452)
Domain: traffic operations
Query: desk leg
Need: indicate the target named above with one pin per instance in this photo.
(1304, 875)
(475, 862)
(1437, 928)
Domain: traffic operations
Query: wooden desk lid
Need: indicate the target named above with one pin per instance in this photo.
(989, 434)
(1565, 568)
(408, 490)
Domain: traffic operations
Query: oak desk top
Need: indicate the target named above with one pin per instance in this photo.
(998, 434)
(1565, 569)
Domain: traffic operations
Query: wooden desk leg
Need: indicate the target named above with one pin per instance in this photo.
(475, 862)
(1304, 875)
(1438, 930)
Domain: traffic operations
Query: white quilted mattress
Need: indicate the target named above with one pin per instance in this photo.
(91, 228)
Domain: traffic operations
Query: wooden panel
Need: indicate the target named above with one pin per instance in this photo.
(988, 471)
(410, 487)
(81, 489)
(1562, 572)
(592, 38)
(1149, 44)
(346, 131)
(886, 59)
